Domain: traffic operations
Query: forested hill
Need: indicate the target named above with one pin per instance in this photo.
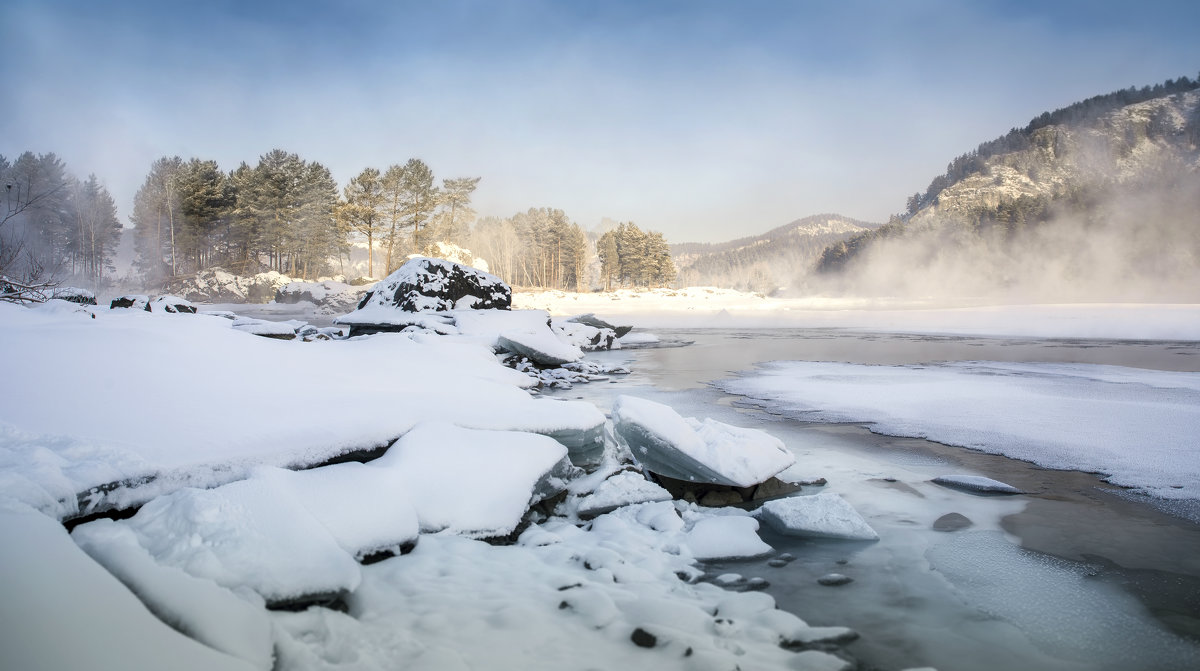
(1094, 201)
(763, 262)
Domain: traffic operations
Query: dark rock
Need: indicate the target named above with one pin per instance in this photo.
(951, 522)
(717, 498)
(171, 305)
(777, 563)
(643, 638)
(773, 489)
(835, 580)
(132, 301)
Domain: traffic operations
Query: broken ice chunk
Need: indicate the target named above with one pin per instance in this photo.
(825, 515)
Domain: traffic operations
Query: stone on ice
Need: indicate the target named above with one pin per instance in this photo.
(595, 322)
(825, 515)
(686, 449)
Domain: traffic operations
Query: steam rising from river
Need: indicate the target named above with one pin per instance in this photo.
(1142, 245)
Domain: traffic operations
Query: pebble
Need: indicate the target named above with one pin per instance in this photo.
(834, 579)
(951, 522)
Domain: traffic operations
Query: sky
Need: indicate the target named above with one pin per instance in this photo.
(704, 120)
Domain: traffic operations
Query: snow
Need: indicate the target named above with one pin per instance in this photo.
(264, 327)
(687, 449)
(622, 489)
(725, 538)
(976, 483)
(825, 515)
(712, 307)
(541, 347)
(361, 507)
(63, 611)
(467, 481)
(278, 403)
(251, 534)
(561, 597)
(198, 607)
(1137, 426)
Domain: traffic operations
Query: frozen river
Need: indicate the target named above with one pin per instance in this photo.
(1076, 574)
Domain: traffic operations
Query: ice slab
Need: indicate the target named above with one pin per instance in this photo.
(1137, 426)
(468, 481)
(252, 534)
(687, 449)
(824, 515)
(622, 489)
(976, 483)
(541, 347)
(725, 538)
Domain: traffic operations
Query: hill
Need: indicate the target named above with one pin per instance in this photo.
(1095, 201)
(765, 262)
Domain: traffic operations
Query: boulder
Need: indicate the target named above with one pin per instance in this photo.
(585, 337)
(425, 285)
(131, 302)
(686, 449)
(171, 305)
(74, 295)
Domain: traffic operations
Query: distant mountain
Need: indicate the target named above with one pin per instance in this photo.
(763, 262)
(1096, 201)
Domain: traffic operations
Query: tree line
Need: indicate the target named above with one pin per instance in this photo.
(54, 225)
(629, 256)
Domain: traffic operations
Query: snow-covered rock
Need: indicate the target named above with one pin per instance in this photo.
(73, 295)
(686, 449)
(217, 285)
(285, 330)
(171, 305)
(825, 515)
(329, 296)
(590, 319)
(584, 336)
(976, 483)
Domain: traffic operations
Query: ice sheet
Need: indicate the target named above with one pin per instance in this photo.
(1138, 426)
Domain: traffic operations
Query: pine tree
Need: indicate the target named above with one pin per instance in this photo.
(365, 210)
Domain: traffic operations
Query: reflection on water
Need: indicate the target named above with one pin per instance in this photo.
(1076, 575)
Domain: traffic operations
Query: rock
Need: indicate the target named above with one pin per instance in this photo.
(718, 498)
(824, 515)
(835, 579)
(643, 639)
(171, 305)
(951, 522)
(775, 488)
(330, 297)
(686, 449)
(74, 295)
(267, 329)
(777, 562)
(425, 285)
(131, 302)
(976, 484)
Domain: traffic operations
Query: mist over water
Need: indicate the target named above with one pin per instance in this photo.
(1135, 242)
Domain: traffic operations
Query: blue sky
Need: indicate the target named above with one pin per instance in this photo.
(705, 120)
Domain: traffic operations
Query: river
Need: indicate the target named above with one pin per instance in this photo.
(1078, 574)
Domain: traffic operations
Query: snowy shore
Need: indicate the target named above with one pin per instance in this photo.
(187, 421)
